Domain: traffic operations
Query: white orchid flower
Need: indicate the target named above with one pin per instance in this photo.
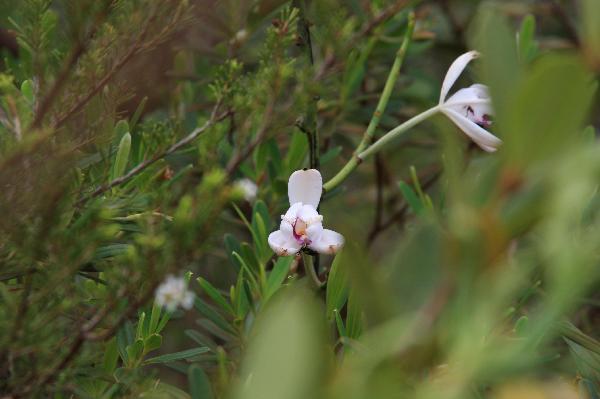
(470, 109)
(302, 226)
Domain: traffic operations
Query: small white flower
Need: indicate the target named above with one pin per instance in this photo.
(302, 226)
(173, 292)
(248, 188)
(470, 109)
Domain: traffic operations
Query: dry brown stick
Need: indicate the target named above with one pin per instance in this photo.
(79, 49)
(400, 214)
(142, 166)
(242, 154)
(383, 16)
(136, 47)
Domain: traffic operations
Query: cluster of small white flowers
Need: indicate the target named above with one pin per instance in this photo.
(248, 188)
(173, 292)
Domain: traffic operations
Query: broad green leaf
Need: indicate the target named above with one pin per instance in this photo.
(411, 198)
(548, 110)
(171, 357)
(500, 65)
(122, 157)
(136, 115)
(135, 350)
(527, 44)
(354, 319)
(521, 326)
(337, 285)
(239, 298)
(27, 91)
(199, 382)
(154, 318)
(588, 362)
(153, 342)
(285, 357)
(121, 129)
(111, 356)
(297, 152)
(276, 277)
(215, 295)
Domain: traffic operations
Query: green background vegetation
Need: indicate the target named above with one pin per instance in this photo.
(125, 125)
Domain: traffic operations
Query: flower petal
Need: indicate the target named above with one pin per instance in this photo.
(329, 243)
(283, 244)
(454, 72)
(479, 135)
(305, 186)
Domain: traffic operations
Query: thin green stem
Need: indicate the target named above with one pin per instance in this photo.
(309, 124)
(379, 110)
(397, 131)
(309, 269)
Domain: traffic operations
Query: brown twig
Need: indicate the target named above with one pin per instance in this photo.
(79, 49)
(399, 216)
(214, 118)
(136, 47)
(367, 29)
(243, 153)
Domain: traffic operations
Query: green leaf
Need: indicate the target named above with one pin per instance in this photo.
(548, 110)
(125, 337)
(111, 250)
(122, 157)
(273, 368)
(153, 342)
(121, 128)
(135, 350)
(201, 339)
(27, 91)
(111, 356)
(213, 315)
(171, 357)
(527, 45)
(411, 198)
(276, 277)
(140, 326)
(232, 245)
(588, 362)
(521, 326)
(339, 323)
(297, 152)
(354, 320)
(138, 112)
(215, 295)
(239, 298)
(337, 286)
(166, 316)
(199, 383)
(154, 318)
